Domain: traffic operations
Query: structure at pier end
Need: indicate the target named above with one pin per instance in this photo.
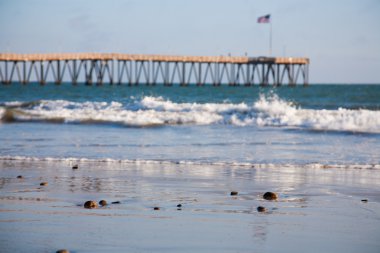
(131, 69)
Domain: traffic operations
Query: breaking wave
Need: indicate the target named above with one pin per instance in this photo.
(157, 111)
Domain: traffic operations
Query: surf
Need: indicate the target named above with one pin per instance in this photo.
(267, 111)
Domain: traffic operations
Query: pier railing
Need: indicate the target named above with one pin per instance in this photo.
(134, 69)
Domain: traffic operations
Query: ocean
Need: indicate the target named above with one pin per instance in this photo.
(317, 124)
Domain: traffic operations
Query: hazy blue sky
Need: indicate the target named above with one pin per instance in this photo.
(341, 37)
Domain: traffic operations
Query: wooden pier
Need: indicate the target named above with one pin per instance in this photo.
(133, 69)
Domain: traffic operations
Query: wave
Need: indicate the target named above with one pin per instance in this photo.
(157, 111)
(247, 165)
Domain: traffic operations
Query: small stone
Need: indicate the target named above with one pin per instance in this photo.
(44, 184)
(234, 193)
(364, 200)
(62, 251)
(103, 202)
(261, 209)
(90, 204)
(75, 167)
(179, 205)
(156, 208)
(115, 202)
(19, 176)
(270, 196)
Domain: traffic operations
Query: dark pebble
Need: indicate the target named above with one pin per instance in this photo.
(62, 251)
(90, 204)
(261, 209)
(115, 202)
(156, 208)
(103, 202)
(179, 205)
(44, 183)
(365, 200)
(270, 196)
(75, 167)
(19, 176)
(233, 193)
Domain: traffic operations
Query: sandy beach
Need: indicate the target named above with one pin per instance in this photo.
(319, 208)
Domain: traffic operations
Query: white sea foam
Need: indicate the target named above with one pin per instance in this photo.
(276, 112)
(247, 165)
(266, 111)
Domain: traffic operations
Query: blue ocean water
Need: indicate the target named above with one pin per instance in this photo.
(323, 124)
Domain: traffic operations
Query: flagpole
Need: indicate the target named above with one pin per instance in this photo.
(265, 20)
(270, 39)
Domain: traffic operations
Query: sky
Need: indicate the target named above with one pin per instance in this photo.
(341, 38)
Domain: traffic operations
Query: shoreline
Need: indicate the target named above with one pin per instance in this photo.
(317, 208)
(249, 165)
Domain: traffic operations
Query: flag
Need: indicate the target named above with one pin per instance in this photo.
(264, 19)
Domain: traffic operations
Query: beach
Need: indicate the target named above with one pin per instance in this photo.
(319, 208)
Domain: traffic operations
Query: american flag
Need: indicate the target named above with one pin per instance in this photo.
(264, 19)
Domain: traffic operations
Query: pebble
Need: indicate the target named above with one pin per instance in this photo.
(179, 205)
(261, 209)
(156, 208)
(270, 196)
(233, 193)
(365, 200)
(63, 251)
(103, 202)
(75, 167)
(90, 204)
(19, 176)
(44, 183)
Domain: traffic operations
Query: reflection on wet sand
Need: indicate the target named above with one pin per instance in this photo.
(177, 202)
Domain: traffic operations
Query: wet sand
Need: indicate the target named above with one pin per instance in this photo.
(318, 209)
